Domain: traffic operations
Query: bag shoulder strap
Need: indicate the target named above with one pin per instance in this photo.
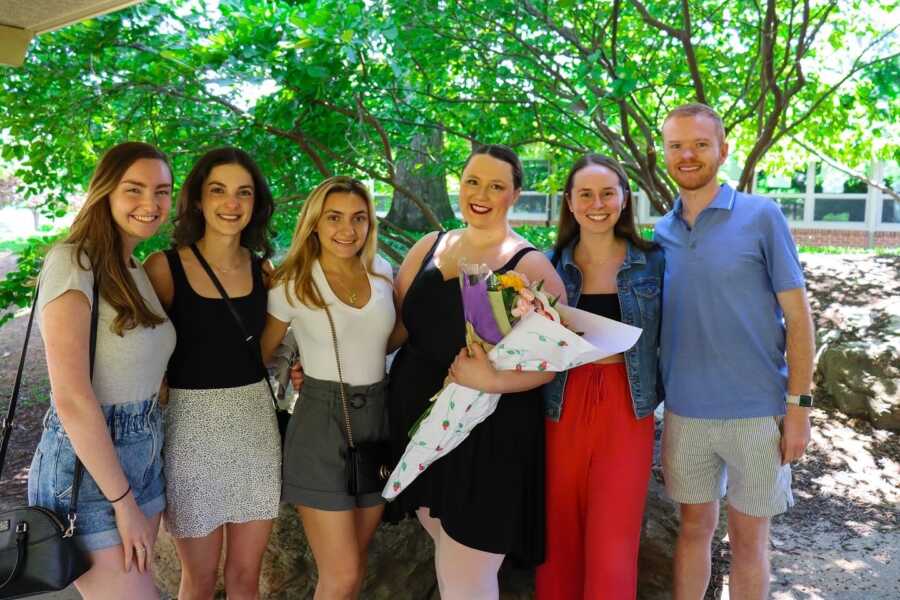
(7, 423)
(249, 340)
(337, 359)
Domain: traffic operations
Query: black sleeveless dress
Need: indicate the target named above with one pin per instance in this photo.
(489, 491)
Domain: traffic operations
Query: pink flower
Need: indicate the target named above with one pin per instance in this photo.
(522, 307)
(527, 294)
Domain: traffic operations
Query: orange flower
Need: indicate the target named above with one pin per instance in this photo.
(511, 280)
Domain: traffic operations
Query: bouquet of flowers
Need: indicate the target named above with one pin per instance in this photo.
(522, 329)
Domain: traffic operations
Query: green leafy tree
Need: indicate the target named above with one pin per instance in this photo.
(355, 86)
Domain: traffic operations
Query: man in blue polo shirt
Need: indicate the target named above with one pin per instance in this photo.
(736, 356)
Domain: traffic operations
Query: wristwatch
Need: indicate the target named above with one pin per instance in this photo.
(804, 400)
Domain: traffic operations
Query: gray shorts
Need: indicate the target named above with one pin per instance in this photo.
(703, 457)
(314, 469)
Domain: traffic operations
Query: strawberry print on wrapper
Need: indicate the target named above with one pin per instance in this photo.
(533, 344)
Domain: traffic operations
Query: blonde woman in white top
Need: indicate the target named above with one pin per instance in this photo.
(332, 262)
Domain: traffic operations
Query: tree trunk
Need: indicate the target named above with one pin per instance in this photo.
(422, 171)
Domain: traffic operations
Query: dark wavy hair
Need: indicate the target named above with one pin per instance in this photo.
(190, 224)
(624, 228)
(504, 153)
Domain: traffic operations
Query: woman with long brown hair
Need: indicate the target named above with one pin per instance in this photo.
(599, 424)
(110, 419)
(336, 294)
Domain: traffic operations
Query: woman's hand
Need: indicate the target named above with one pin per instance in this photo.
(475, 371)
(163, 396)
(136, 531)
(297, 376)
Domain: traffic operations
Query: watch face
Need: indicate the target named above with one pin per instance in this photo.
(805, 400)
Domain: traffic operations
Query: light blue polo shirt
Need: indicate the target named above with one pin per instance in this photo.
(722, 339)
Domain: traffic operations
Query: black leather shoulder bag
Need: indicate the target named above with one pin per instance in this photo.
(37, 550)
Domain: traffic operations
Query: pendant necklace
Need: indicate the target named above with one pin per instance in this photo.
(351, 295)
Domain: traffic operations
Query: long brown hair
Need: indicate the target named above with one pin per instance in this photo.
(305, 249)
(97, 238)
(624, 228)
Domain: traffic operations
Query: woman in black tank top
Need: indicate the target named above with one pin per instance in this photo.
(222, 450)
(483, 500)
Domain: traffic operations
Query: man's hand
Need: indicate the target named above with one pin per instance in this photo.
(795, 433)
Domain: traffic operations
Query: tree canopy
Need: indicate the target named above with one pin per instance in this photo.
(330, 86)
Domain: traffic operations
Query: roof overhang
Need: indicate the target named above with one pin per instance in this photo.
(21, 21)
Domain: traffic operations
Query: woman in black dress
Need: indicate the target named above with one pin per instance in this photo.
(485, 499)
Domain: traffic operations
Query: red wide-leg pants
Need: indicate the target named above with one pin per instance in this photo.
(598, 468)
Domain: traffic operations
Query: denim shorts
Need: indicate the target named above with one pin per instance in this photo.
(136, 429)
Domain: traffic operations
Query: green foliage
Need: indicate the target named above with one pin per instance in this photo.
(539, 236)
(15, 245)
(344, 86)
(879, 251)
(17, 288)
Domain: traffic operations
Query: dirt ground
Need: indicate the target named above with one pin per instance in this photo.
(842, 539)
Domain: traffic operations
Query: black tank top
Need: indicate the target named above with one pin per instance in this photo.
(605, 305)
(210, 352)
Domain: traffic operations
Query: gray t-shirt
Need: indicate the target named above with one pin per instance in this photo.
(127, 368)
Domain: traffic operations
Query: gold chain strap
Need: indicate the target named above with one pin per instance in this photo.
(337, 358)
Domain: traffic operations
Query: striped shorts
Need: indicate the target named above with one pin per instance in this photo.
(704, 458)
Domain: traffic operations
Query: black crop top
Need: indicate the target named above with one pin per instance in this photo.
(210, 351)
(605, 305)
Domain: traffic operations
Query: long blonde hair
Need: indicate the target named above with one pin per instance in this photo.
(305, 248)
(96, 237)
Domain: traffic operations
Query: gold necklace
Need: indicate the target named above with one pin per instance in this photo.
(351, 294)
(224, 271)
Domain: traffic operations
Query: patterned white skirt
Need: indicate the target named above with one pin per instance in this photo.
(222, 458)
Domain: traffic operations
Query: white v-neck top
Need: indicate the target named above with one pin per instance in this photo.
(362, 333)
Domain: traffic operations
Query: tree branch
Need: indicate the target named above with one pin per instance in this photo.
(845, 169)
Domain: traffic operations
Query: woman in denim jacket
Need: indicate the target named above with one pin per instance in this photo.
(599, 416)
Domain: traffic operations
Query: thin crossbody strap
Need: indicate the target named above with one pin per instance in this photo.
(337, 359)
(7, 423)
(253, 346)
(92, 353)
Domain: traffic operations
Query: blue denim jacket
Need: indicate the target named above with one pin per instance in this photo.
(640, 293)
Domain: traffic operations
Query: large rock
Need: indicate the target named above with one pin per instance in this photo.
(858, 368)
